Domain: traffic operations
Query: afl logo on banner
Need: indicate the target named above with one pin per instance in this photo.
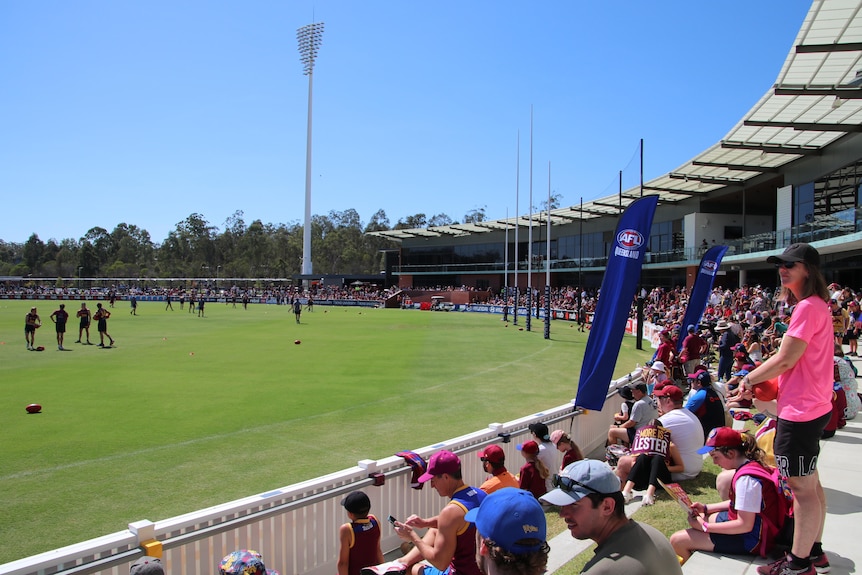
(709, 267)
(628, 242)
(630, 239)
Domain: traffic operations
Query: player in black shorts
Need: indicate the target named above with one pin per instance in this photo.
(59, 317)
(84, 314)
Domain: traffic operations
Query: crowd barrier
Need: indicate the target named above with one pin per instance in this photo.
(296, 527)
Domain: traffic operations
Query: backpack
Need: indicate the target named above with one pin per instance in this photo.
(777, 515)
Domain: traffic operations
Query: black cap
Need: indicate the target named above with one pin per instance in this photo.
(357, 502)
(797, 253)
(626, 393)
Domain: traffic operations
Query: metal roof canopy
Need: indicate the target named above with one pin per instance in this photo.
(815, 101)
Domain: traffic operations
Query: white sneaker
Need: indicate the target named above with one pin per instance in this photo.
(648, 500)
(628, 496)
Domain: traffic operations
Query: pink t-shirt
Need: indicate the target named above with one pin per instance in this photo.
(805, 390)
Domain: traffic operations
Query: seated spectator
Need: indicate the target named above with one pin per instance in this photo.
(450, 541)
(655, 458)
(625, 407)
(847, 378)
(570, 450)
(643, 411)
(839, 404)
(533, 473)
(494, 462)
(588, 495)
(740, 524)
(657, 375)
(147, 566)
(513, 531)
(705, 402)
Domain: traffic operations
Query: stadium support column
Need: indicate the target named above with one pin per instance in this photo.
(547, 312)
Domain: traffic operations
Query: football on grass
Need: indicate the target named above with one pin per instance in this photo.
(34, 408)
(297, 342)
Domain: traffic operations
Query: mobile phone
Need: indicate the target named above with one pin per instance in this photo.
(392, 520)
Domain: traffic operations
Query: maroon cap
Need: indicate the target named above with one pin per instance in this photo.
(493, 454)
(440, 463)
(530, 447)
(670, 391)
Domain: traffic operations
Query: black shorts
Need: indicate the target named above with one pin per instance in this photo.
(29, 329)
(797, 445)
(61, 327)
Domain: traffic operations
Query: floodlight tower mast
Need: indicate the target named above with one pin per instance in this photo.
(309, 38)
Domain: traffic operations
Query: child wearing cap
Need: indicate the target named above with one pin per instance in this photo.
(360, 539)
(512, 527)
(740, 525)
(494, 462)
(533, 473)
(566, 445)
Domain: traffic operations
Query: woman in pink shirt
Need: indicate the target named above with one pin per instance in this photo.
(803, 365)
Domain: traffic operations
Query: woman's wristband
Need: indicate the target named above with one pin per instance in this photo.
(706, 526)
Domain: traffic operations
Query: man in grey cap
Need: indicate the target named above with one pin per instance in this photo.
(591, 504)
(147, 565)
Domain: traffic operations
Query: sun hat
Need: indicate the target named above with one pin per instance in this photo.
(441, 462)
(721, 437)
(722, 325)
(244, 562)
(797, 253)
(512, 518)
(493, 454)
(659, 366)
(579, 479)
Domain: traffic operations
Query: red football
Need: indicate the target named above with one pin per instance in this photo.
(34, 408)
(297, 342)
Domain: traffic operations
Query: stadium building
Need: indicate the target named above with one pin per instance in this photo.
(789, 171)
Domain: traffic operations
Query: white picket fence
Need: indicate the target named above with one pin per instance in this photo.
(295, 527)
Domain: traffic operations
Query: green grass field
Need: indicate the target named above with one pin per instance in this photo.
(188, 412)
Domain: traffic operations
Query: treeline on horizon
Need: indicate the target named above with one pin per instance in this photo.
(195, 248)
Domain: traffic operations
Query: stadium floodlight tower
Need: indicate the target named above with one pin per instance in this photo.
(309, 38)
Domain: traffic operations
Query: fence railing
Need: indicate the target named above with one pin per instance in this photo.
(296, 527)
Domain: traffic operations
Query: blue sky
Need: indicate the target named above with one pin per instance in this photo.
(146, 112)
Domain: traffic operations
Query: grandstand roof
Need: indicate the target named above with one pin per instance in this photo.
(815, 101)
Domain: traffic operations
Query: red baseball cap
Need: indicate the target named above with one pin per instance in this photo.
(670, 391)
(721, 437)
(493, 454)
(529, 447)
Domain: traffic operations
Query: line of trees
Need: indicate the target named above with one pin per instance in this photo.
(195, 248)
